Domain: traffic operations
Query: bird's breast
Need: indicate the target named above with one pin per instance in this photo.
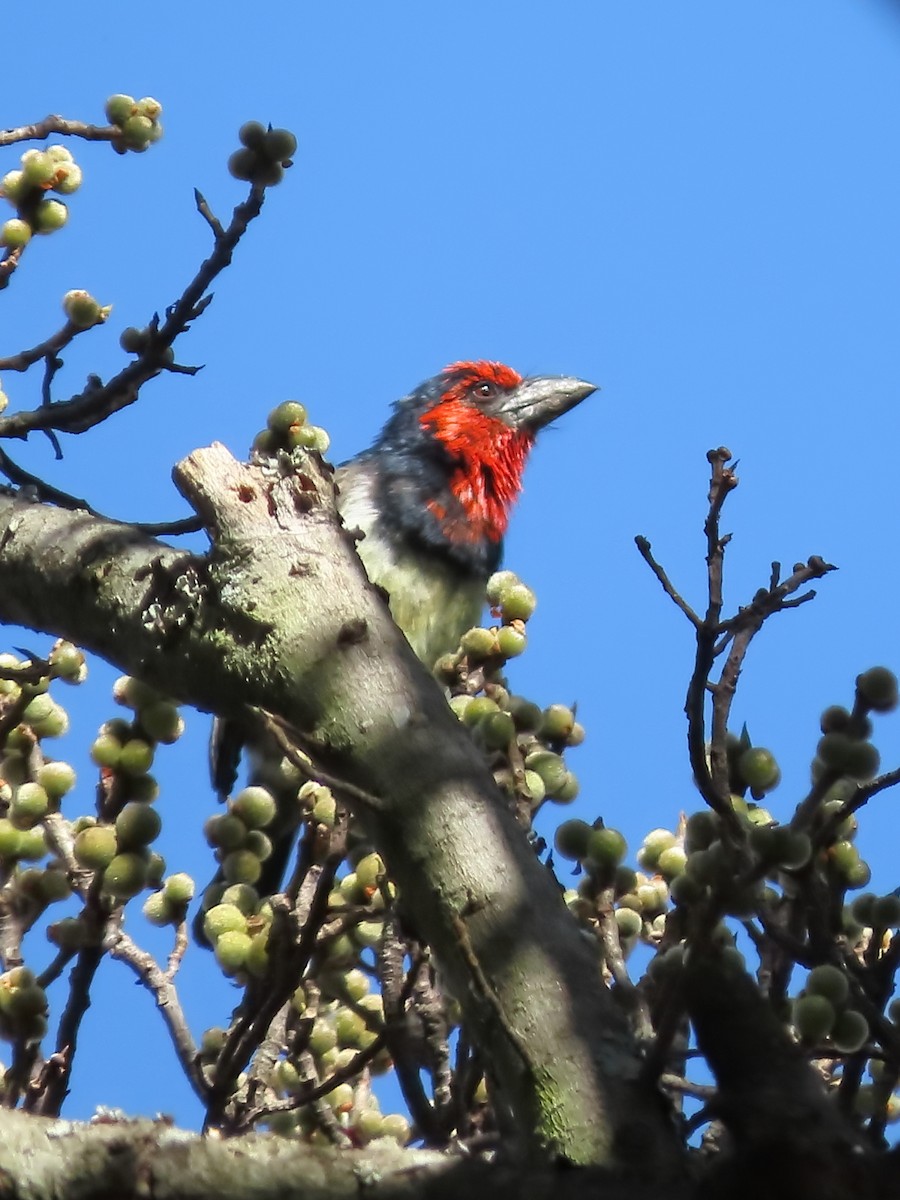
(432, 599)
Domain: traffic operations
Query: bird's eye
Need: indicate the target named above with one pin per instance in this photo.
(485, 390)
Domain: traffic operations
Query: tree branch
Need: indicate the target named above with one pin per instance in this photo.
(99, 401)
(49, 348)
(509, 950)
(68, 1161)
(38, 130)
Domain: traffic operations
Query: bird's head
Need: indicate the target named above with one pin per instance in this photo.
(457, 447)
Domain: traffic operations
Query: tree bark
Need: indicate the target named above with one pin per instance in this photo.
(280, 615)
(45, 1159)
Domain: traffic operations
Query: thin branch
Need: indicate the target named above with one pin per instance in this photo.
(33, 670)
(700, 1118)
(323, 1116)
(39, 130)
(61, 839)
(287, 739)
(81, 978)
(43, 491)
(685, 1087)
(182, 369)
(795, 603)
(287, 964)
(97, 402)
(722, 645)
(178, 951)
(208, 215)
(52, 364)
(428, 1004)
(632, 998)
(264, 1061)
(742, 628)
(769, 601)
(50, 347)
(668, 1005)
(723, 481)
(119, 945)
(8, 265)
(21, 1071)
(861, 797)
(168, 528)
(52, 972)
(11, 929)
(343, 1075)
(395, 992)
(711, 774)
(645, 550)
(48, 494)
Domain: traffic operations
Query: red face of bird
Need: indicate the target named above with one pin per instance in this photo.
(449, 462)
(497, 392)
(487, 413)
(486, 416)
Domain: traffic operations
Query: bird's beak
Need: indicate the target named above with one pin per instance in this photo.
(540, 399)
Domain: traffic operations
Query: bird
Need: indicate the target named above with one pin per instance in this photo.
(432, 497)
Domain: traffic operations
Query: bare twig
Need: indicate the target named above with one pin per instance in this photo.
(208, 215)
(119, 945)
(50, 347)
(260, 1073)
(730, 638)
(41, 490)
(711, 774)
(20, 1074)
(644, 548)
(744, 626)
(30, 671)
(323, 1115)
(11, 930)
(52, 1095)
(667, 1012)
(49, 494)
(45, 1080)
(62, 840)
(169, 528)
(633, 999)
(311, 1093)
(99, 401)
(286, 966)
(861, 796)
(395, 992)
(685, 1087)
(178, 950)
(428, 1004)
(52, 972)
(8, 265)
(714, 636)
(287, 739)
(52, 364)
(39, 130)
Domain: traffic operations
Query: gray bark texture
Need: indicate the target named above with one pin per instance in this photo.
(280, 615)
(45, 1159)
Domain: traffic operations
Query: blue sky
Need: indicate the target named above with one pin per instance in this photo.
(694, 206)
